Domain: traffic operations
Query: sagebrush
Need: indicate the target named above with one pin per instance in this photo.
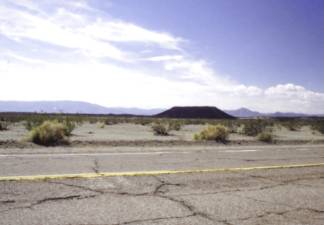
(101, 125)
(265, 137)
(291, 125)
(69, 126)
(3, 126)
(319, 126)
(174, 125)
(254, 127)
(49, 133)
(160, 129)
(217, 133)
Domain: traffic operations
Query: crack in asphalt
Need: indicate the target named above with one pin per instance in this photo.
(281, 213)
(265, 187)
(287, 182)
(267, 213)
(95, 168)
(153, 220)
(84, 188)
(50, 199)
(156, 192)
(193, 211)
(7, 201)
(159, 191)
(163, 183)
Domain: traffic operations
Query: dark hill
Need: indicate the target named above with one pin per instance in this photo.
(195, 112)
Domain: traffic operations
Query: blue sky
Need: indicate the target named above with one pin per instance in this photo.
(257, 42)
(266, 55)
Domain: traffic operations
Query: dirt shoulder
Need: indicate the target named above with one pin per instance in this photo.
(155, 143)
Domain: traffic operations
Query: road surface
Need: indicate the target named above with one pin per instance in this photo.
(291, 194)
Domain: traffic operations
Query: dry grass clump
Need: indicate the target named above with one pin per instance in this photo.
(101, 125)
(143, 121)
(174, 125)
(265, 137)
(69, 126)
(3, 126)
(50, 133)
(217, 133)
(292, 125)
(109, 122)
(319, 126)
(254, 127)
(160, 129)
(30, 124)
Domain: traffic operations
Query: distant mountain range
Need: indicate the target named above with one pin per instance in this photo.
(89, 108)
(247, 113)
(70, 107)
(243, 112)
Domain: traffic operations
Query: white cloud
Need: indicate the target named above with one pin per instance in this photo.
(15, 57)
(118, 31)
(163, 58)
(103, 70)
(247, 90)
(294, 93)
(92, 37)
(111, 85)
(108, 85)
(20, 25)
(290, 97)
(289, 91)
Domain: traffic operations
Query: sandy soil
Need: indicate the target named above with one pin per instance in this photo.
(132, 134)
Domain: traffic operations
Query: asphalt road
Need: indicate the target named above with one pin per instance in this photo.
(70, 160)
(269, 196)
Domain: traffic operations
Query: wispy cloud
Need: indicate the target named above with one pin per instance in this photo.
(71, 50)
(119, 31)
(163, 58)
(94, 37)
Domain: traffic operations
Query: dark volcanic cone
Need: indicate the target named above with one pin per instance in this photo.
(195, 112)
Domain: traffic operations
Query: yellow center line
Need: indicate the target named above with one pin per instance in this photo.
(155, 172)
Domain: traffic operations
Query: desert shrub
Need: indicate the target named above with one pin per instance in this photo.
(108, 122)
(291, 125)
(30, 124)
(174, 125)
(233, 128)
(265, 137)
(3, 126)
(160, 129)
(143, 121)
(111, 121)
(319, 126)
(92, 121)
(49, 133)
(254, 127)
(217, 133)
(69, 126)
(231, 125)
(101, 125)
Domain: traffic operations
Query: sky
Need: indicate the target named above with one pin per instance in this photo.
(266, 55)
